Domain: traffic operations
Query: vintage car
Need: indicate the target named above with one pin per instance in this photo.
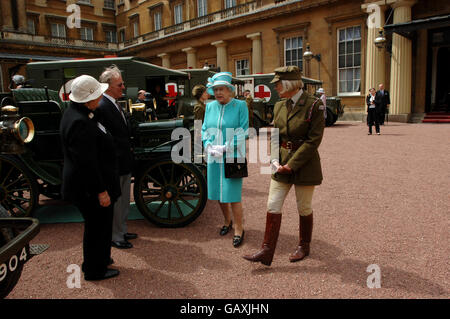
(15, 233)
(265, 97)
(168, 194)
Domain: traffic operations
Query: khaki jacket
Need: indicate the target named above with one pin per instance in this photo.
(199, 111)
(305, 161)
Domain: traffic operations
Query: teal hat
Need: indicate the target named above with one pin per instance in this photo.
(219, 79)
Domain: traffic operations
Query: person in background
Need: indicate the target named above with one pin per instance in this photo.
(225, 112)
(373, 112)
(17, 82)
(323, 97)
(200, 94)
(249, 101)
(90, 174)
(146, 98)
(113, 118)
(296, 162)
(383, 100)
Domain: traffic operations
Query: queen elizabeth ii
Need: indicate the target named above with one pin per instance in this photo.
(224, 132)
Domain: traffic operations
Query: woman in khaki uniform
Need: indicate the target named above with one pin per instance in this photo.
(295, 161)
(200, 94)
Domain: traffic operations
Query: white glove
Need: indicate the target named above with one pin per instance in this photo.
(275, 165)
(213, 152)
(219, 148)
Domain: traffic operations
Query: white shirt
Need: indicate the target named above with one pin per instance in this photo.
(296, 97)
(372, 98)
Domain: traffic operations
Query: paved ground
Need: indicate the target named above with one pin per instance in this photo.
(384, 201)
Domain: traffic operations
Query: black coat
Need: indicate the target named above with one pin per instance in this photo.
(111, 118)
(377, 103)
(382, 99)
(90, 161)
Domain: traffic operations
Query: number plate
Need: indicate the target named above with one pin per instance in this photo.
(13, 263)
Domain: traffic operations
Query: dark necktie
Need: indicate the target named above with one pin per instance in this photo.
(289, 106)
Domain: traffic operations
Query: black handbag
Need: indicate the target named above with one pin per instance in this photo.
(236, 169)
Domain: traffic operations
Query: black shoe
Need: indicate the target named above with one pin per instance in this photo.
(129, 236)
(237, 240)
(108, 274)
(226, 229)
(122, 244)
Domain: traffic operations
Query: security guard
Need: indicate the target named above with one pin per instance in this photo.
(299, 118)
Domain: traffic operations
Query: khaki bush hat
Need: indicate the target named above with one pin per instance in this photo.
(290, 73)
(85, 88)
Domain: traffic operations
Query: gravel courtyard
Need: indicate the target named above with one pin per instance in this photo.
(384, 201)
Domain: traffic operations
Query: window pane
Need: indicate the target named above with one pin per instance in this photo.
(341, 61)
(357, 86)
(288, 44)
(341, 35)
(357, 75)
(294, 55)
(357, 33)
(357, 45)
(342, 86)
(341, 48)
(349, 60)
(349, 46)
(357, 60)
(288, 56)
(294, 43)
(349, 34)
(300, 43)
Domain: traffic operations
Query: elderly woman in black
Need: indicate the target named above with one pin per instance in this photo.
(90, 174)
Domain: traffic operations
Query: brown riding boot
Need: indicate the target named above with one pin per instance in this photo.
(265, 255)
(306, 225)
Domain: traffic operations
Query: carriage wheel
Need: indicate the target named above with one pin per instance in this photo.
(170, 194)
(18, 189)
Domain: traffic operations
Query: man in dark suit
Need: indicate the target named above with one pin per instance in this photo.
(113, 118)
(382, 98)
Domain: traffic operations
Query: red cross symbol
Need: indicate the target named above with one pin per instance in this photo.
(171, 89)
(263, 92)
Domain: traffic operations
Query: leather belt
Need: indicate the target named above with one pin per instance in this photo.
(291, 146)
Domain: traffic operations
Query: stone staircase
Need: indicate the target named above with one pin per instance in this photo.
(437, 117)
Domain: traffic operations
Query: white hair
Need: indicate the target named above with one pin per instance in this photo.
(111, 72)
(291, 85)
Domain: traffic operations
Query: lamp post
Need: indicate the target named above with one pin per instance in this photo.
(308, 55)
(380, 41)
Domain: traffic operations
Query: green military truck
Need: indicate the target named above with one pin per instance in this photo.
(137, 75)
(265, 97)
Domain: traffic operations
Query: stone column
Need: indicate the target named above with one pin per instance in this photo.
(222, 56)
(7, 22)
(375, 57)
(256, 52)
(22, 13)
(191, 57)
(165, 59)
(401, 62)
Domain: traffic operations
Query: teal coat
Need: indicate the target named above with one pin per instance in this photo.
(219, 118)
